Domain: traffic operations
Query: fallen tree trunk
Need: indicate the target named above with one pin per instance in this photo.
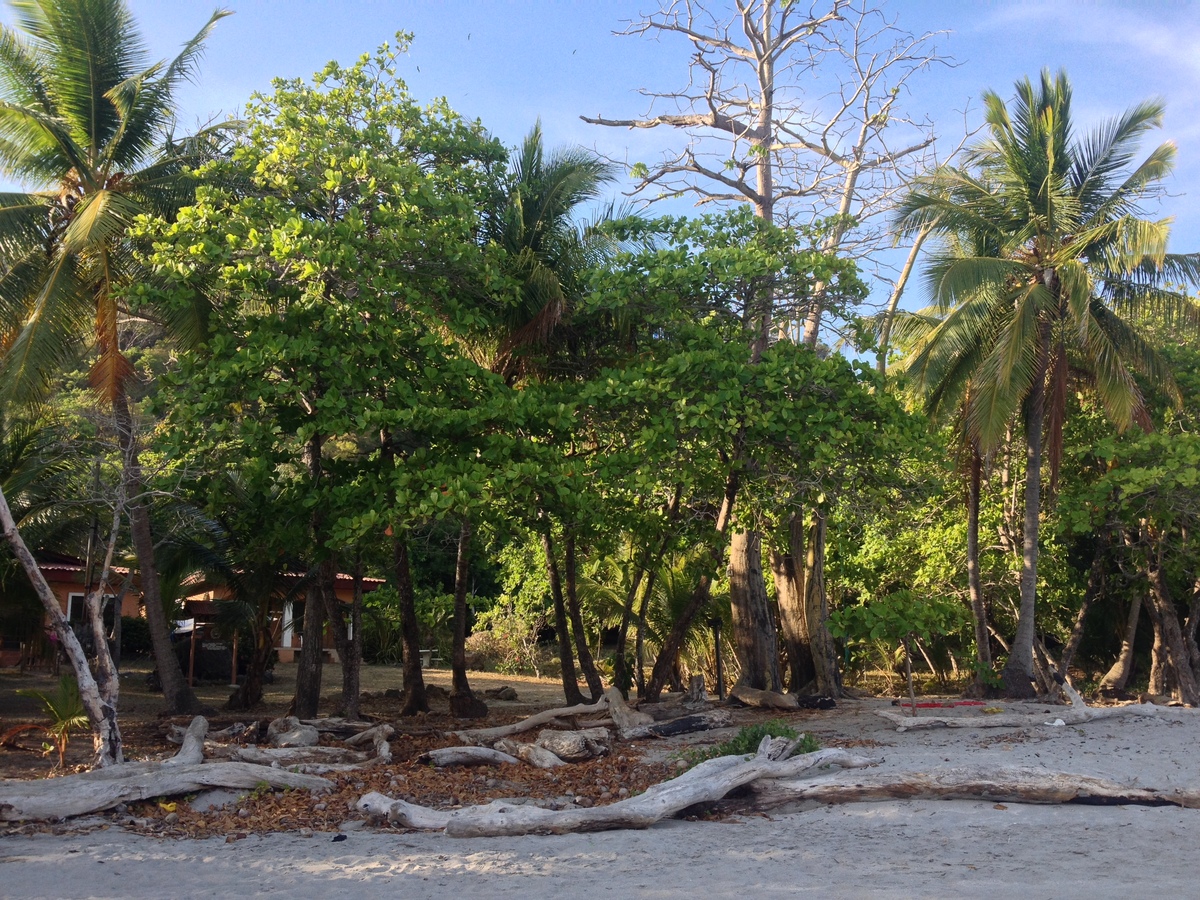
(707, 782)
(490, 735)
(763, 699)
(1003, 784)
(1076, 714)
(536, 756)
(468, 756)
(573, 746)
(299, 756)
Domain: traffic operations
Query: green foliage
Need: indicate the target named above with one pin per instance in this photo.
(65, 710)
(748, 738)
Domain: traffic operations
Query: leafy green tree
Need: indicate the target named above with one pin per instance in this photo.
(86, 122)
(338, 274)
(1059, 250)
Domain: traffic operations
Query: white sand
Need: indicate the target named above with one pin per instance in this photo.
(893, 849)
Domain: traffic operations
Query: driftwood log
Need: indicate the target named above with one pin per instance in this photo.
(487, 736)
(1016, 784)
(573, 746)
(468, 756)
(707, 782)
(75, 795)
(1076, 714)
(763, 699)
(531, 753)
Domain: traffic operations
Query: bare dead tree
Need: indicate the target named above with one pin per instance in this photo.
(799, 112)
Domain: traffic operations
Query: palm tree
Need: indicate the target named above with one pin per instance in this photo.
(86, 121)
(546, 250)
(1048, 251)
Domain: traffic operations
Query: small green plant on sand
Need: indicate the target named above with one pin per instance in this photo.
(747, 740)
(65, 710)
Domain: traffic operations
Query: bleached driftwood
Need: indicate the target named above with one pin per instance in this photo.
(487, 736)
(531, 753)
(289, 732)
(75, 795)
(298, 756)
(1017, 784)
(467, 756)
(628, 721)
(763, 699)
(707, 782)
(573, 746)
(337, 725)
(1075, 714)
(370, 735)
(191, 749)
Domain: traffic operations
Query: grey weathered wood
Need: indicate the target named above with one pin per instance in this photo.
(490, 735)
(707, 782)
(530, 753)
(1015, 784)
(1076, 714)
(573, 746)
(468, 756)
(763, 699)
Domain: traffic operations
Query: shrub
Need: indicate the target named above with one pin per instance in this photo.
(748, 738)
(135, 636)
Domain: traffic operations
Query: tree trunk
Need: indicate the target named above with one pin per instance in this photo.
(753, 625)
(668, 653)
(1018, 671)
(1172, 635)
(586, 664)
(1094, 588)
(308, 668)
(621, 675)
(415, 699)
(566, 660)
(178, 694)
(816, 612)
(788, 569)
(463, 702)
(1117, 677)
(983, 650)
(889, 315)
(352, 654)
(106, 735)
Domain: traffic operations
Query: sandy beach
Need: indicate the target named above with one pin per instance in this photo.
(888, 849)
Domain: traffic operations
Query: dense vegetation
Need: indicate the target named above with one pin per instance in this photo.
(352, 333)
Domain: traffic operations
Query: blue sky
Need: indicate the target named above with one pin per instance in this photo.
(509, 63)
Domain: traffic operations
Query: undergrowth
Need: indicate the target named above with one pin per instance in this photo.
(747, 740)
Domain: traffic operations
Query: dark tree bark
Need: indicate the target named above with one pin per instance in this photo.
(178, 694)
(816, 612)
(1018, 671)
(566, 659)
(415, 698)
(983, 649)
(788, 569)
(463, 702)
(1117, 677)
(753, 624)
(1172, 635)
(621, 675)
(668, 654)
(308, 667)
(1095, 587)
(587, 665)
